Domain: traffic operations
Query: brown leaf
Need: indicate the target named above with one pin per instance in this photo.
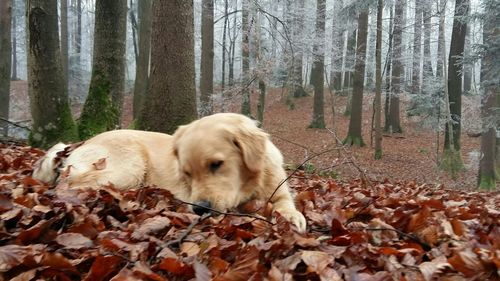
(100, 164)
(151, 226)
(176, 267)
(316, 261)
(14, 255)
(245, 264)
(103, 268)
(74, 241)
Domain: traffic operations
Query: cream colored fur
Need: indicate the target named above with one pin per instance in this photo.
(250, 164)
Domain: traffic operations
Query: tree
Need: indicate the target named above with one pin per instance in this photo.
(298, 52)
(5, 62)
(224, 49)
(417, 42)
(394, 125)
(388, 71)
(14, 42)
(427, 68)
(378, 83)
(452, 160)
(64, 39)
(245, 58)
(207, 57)
(349, 61)
(317, 72)
(52, 120)
(488, 173)
(142, 72)
(337, 48)
(354, 136)
(171, 97)
(102, 109)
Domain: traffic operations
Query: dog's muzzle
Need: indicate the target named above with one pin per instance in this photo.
(200, 207)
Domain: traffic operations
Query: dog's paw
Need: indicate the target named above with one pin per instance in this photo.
(295, 217)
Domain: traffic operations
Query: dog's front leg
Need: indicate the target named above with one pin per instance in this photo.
(283, 204)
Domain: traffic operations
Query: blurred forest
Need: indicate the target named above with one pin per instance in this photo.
(409, 89)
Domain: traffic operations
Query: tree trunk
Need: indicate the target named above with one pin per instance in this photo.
(5, 63)
(14, 42)
(224, 49)
(207, 57)
(349, 61)
(417, 42)
(317, 72)
(396, 84)
(488, 165)
(455, 73)
(354, 136)
(143, 61)
(388, 90)
(298, 31)
(378, 83)
(78, 34)
(52, 120)
(232, 45)
(171, 97)
(467, 72)
(439, 61)
(102, 109)
(64, 39)
(337, 48)
(262, 102)
(427, 39)
(245, 58)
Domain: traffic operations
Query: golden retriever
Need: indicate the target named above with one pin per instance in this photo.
(219, 161)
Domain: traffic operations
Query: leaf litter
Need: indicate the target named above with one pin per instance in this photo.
(356, 231)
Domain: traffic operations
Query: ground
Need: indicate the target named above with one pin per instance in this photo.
(410, 156)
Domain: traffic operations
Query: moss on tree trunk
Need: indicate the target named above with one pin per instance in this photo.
(52, 120)
(102, 109)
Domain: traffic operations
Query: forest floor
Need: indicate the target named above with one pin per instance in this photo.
(359, 228)
(410, 156)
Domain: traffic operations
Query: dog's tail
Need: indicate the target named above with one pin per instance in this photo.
(46, 168)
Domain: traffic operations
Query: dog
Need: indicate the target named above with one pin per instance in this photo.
(218, 161)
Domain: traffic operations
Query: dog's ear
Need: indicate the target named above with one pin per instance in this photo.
(177, 135)
(252, 143)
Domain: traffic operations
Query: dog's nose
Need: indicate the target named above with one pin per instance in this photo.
(200, 207)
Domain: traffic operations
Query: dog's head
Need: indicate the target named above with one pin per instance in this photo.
(217, 155)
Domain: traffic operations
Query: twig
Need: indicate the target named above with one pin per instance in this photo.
(407, 235)
(15, 124)
(228, 213)
(188, 230)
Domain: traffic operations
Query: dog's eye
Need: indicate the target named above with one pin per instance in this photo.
(214, 166)
(187, 174)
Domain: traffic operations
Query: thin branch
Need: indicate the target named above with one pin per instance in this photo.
(16, 124)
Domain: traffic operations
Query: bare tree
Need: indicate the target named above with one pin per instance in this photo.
(245, 57)
(142, 72)
(5, 62)
(417, 42)
(64, 39)
(171, 97)
(354, 136)
(337, 48)
(103, 107)
(52, 120)
(378, 83)
(452, 160)
(317, 72)
(207, 57)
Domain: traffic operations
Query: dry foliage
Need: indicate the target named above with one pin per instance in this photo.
(357, 231)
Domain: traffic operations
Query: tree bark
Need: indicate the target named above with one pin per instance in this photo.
(78, 34)
(439, 60)
(102, 109)
(397, 64)
(14, 42)
(417, 43)
(5, 62)
(388, 90)
(337, 48)
(171, 97)
(317, 72)
(298, 30)
(378, 83)
(64, 39)
(52, 120)
(354, 136)
(207, 57)
(427, 69)
(224, 49)
(489, 163)
(143, 61)
(245, 58)
(455, 72)
(349, 61)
